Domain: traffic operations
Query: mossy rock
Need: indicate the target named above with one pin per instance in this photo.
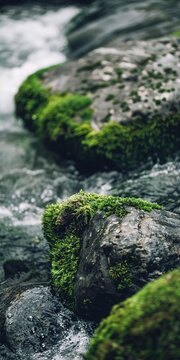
(64, 224)
(144, 327)
(100, 124)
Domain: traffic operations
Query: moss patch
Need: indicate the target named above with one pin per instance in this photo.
(63, 226)
(126, 145)
(176, 33)
(121, 275)
(144, 327)
(60, 119)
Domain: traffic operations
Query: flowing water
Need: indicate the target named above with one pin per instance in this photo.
(32, 37)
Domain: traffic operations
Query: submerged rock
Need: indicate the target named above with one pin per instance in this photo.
(113, 108)
(146, 326)
(106, 248)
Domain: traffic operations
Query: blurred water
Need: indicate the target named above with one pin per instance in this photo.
(30, 38)
(106, 20)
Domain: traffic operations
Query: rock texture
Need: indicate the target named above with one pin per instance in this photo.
(119, 256)
(31, 321)
(112, 109)
(124, 80)
(37, 326)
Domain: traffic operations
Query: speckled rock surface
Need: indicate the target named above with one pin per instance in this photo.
(125, 80)
(119, 257)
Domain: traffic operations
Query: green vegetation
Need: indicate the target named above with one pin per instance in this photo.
(110, 97)
(176, 33)
(64, 122)
(60, 119)
(144, 327)
(121, 274)
(30, 100)
(90, 66)
(63, 225)
(123, 146)
(32, 97)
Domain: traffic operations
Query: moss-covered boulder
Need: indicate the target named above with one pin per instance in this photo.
(105, 248)
(111, 109)
(146, 326)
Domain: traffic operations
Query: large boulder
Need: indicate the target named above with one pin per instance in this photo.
(113, 108)
(119, 256)
(146, 326)
(106, 248)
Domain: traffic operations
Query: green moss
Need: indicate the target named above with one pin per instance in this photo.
(119, 71)
(63, 225)
(134, 71)
(57, 119)
(176, 33)
(64, 264)
(144, 327)
(110, 97)
(30, 99)
(121, 274)
(64, 121)
(123, 146)
(90, 67)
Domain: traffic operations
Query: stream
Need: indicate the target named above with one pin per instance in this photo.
(33, 37)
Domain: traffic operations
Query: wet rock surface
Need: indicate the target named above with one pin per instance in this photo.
(23, 252)
(31, 321)
(126, 81)
(36, 325)
(118, 257)
(158, 183)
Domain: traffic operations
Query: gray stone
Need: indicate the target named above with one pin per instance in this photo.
(119, 256)
(31, 321)
(38, 327)
(125, 80)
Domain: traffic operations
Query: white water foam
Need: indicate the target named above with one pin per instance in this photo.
(32, 43)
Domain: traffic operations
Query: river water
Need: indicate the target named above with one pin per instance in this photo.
(32, 37)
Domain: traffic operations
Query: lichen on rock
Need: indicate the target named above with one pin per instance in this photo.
(146, 326)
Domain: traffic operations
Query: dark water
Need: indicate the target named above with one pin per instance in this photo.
(32, 37)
